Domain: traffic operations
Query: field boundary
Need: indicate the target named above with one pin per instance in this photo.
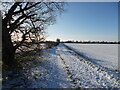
(100, 69)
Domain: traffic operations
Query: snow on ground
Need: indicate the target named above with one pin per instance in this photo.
(105, 55)
(60, 67)
(50, 72)
(54, 74)
(84, 74)
(64, 69)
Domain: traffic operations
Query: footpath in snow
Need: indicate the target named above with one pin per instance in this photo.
(84, 73)
(63, 68)
(53, 72)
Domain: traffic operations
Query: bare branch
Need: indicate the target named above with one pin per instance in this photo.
(18, 23)
(11, 11)
(26, 8)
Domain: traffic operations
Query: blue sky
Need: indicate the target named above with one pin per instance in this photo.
(86, 21)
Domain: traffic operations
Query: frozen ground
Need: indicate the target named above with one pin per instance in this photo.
(63, 68)
(105, 55)
(84, 73)
(53, 72)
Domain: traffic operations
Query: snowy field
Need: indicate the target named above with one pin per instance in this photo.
(105, 55)
(61, 67)
(64, 69)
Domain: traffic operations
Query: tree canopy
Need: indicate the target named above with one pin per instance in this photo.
(26, 21)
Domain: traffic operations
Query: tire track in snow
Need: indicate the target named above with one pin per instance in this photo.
(103, 79)
(56, 76)
(69, 72)
(100, 69)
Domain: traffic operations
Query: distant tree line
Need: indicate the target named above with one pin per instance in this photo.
(72, 41)
(92, 42)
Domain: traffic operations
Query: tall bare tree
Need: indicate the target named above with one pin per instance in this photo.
(28, 20)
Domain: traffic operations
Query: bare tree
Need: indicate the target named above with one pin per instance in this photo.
(26, 20)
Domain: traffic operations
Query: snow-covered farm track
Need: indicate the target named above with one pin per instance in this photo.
(84, 73)
(69, 72)
(61, 67)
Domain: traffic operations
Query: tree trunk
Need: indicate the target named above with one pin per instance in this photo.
(8, 50)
